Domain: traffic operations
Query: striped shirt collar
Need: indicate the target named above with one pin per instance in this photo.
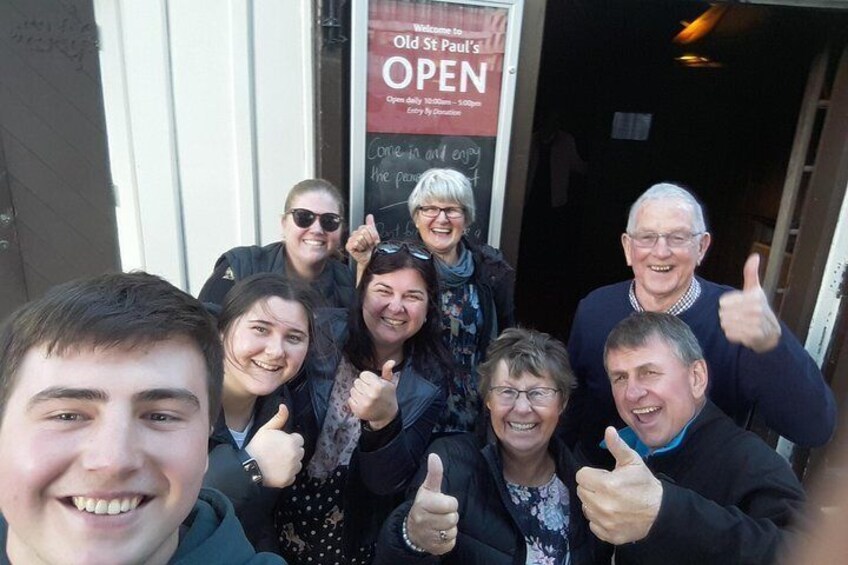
(683, 303)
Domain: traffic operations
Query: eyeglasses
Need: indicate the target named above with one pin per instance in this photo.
(537, 396)
(451, 212)
(392, 247)
(673, 239)
(304, 218)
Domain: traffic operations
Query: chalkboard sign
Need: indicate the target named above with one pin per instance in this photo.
(395, 161)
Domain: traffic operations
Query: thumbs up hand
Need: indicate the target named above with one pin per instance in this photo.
(278, 454)
(432, 520)
(362, 241)
(374, 398)
(746, 316)
(621, 505)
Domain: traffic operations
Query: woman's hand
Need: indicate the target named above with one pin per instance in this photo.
(278, 454)
(374, 398)
(432, 521)
(362, 242)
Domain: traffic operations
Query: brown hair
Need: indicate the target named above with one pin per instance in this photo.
(122, 310)
(528, 351)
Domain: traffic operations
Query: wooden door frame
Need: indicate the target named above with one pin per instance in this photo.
(820, 213)
(13, 288)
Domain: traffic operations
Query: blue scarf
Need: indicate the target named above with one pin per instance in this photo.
(453, 276)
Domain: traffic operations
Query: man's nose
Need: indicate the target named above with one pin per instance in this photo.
(114, 446)
(661, 247)
(634, 390)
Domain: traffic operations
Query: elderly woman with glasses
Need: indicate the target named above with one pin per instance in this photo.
(369, 413)
(310, 245)
(506, 494)
(476, 284)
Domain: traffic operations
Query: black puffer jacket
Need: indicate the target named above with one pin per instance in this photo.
(335, 283)
(495, 280)
(488, 531)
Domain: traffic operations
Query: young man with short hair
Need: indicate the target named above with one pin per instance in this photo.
(108, 387)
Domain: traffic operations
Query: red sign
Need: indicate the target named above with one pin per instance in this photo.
(434, 68)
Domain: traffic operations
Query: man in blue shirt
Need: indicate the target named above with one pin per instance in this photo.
(689, 485)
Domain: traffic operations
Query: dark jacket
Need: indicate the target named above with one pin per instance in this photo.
(335, 283)
(488, 530)
(304, 396)
(210, 534)
(253, 504)
(495, 281)
(385, 461)
(727, 498)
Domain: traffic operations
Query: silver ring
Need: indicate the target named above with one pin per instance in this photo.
(443, 536)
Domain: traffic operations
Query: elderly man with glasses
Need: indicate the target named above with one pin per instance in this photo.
(754, 358)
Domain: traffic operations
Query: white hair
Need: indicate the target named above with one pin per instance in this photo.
(447, 185)
(669, 191)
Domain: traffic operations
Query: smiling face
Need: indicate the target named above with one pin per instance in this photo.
(102, 453)
(441, 235)
(265, 347)
(523, 430)
(655, 393)
(394, 308)
(663, 274)
(307, 248)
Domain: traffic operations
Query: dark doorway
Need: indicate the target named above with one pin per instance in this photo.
(721, 125)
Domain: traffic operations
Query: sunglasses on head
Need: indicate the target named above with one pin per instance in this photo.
(304, 218)
(392, 247)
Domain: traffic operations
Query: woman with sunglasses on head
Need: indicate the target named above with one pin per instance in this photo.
(374, 412)
(476, 283)
(266, 328)
(506, 494)
(310, 245)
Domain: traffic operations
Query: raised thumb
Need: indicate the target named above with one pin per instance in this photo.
(387, 370)
(751, 273)
(433, 480)
(278, 421)
(369, 220)
(621, 451)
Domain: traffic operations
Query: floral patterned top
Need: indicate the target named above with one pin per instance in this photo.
(310, 515)
(543, 518)
(462, 319)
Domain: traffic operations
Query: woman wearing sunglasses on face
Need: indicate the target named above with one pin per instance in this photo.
(266, 329)
(476, 284)
(506, 494)
(375, 411)
(311, 241)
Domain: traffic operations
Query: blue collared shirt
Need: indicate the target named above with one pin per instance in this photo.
(633, 441)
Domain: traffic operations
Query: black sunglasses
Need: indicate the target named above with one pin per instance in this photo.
(392, 247)
(304, 218)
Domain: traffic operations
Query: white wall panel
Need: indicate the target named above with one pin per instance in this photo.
(284, 105)
(210, 116)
